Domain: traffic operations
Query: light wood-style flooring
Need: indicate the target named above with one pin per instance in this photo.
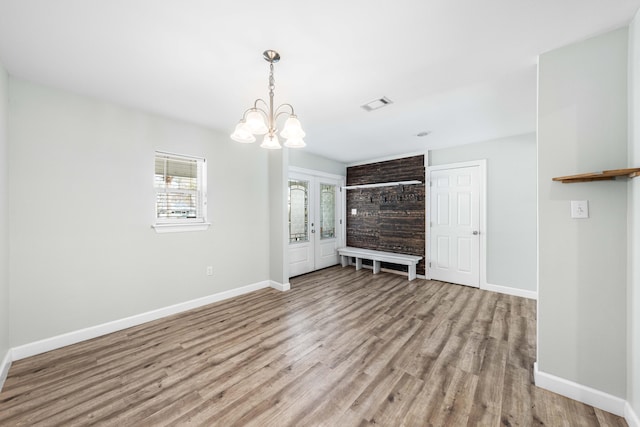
(341, 348)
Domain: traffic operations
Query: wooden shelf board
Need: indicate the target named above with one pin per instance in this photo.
(599, 176)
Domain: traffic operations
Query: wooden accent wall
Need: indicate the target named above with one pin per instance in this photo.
(391, 218)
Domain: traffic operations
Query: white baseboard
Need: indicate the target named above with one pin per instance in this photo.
(510, 291)
(74, 337)
(4, 367)
(632, 418)
(579, 392)
(280, 286)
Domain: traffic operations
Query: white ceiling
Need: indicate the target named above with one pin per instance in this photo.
(462, 69)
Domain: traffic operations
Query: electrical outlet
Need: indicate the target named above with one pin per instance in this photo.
(210, 270)
(579, 209)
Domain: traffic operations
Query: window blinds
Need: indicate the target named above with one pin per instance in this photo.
(178, 188)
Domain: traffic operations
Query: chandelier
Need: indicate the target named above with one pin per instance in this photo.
(261, 118)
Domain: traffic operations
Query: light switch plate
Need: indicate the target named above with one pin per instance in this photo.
(354, 211)
(579, 209)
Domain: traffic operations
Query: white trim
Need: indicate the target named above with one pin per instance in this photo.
(74, 337)
(176, 228)
(579, 392)
(188, 156)
(632, 418)
(279, 286)
(510, 291)
(482, 169)
(4, 367)
(387, 158)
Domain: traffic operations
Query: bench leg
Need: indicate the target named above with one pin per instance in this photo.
(344, 261)
(376, 267)
(412, 272)
(358, 264)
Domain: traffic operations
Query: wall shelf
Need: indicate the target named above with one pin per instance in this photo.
(599, 176)
(382, 184)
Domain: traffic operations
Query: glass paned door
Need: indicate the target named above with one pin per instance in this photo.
(301, 256)
(298, 211)
(327, 211)
(326, 245)
(314, 222)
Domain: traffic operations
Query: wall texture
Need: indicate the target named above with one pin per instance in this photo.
(633, 289)
(306, 160)
(4, 218)
(582, 127)
(82, 205)
(392, 218)
(511, 205)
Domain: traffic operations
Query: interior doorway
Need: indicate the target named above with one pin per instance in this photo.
(456, 223)
(315, 220)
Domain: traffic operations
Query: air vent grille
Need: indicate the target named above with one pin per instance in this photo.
(376, 104)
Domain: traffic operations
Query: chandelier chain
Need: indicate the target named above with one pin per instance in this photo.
(272, 81)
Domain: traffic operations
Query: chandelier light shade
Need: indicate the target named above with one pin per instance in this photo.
(262, 117)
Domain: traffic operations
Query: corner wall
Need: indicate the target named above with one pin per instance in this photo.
(511, 206)
(83, 252)
(5, 343)
(633, 289)
(582, 127)
(275, 210)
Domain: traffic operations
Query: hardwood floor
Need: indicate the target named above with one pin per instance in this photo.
(342, 348)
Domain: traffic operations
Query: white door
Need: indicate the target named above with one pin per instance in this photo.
(455, 225)
(327, 223)
(315, 228)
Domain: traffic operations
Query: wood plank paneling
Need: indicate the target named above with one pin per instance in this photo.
(341, 348)
(390, 219)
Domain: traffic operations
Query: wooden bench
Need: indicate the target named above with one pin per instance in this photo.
(377, 257)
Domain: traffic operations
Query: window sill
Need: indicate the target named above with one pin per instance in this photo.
(179, 228)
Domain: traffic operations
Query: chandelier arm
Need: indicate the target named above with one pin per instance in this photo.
(278, 112)
(255, 104)
(277, 116)
(255, 108)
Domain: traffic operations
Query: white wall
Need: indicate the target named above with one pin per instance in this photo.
(511, 205)
(4, 218)
(82, 205)
(633, 290)
(276, 211)
(582, 127)
(306, 160)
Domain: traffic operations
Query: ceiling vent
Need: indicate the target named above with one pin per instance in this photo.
(376, 104)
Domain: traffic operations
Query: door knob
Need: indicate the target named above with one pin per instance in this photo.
(476, 232)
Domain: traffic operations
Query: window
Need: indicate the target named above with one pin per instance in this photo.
(298, 211)
(181, 196)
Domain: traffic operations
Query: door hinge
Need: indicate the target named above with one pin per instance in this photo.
(340, 221)
(429, 264)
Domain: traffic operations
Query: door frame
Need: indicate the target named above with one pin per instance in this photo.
(342, 198)
(482, 172)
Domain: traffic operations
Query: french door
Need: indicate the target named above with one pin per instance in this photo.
(455, 225)
(315, 226)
